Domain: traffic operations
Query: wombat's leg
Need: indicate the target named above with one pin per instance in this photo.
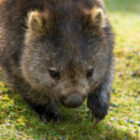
(98, 100)
(45, 112)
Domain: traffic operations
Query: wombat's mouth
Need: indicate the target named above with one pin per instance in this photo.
(72, 101)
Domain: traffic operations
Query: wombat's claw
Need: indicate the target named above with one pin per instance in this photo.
(95, 121)
(57, 118)
(43, 118)
(92, 118)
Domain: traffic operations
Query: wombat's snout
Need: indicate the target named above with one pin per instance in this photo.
(72, 101)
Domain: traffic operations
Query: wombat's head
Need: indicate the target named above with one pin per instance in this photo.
(66, 54)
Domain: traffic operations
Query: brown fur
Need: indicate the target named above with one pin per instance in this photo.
(73, 38)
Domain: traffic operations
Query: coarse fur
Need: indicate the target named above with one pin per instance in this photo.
(57, 52)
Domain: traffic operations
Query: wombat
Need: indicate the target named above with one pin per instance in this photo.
(57, 52)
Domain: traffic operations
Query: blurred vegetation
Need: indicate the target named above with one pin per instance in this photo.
(123, 120)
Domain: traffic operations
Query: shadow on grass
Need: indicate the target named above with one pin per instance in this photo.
(126, 6)
(75, 125)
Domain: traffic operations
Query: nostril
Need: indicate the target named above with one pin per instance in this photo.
(74, 100)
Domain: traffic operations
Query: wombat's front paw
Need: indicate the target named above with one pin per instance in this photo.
(48, 116)
(99, 111)
(98, 114)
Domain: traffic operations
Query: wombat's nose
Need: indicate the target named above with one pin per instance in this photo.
(73, 101)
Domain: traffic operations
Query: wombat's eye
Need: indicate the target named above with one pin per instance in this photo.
(89, 73)
(54, 74)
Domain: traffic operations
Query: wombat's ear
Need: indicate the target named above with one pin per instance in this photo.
(94, 18)
(35, 21)
(40, 22)
(97, 16)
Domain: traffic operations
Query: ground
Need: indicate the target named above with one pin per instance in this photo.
(123, 120)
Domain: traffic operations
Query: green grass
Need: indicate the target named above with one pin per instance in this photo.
(121, 123)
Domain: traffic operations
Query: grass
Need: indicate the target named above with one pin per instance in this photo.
(123, 119)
